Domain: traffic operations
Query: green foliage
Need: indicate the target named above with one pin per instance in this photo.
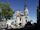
(6, 10)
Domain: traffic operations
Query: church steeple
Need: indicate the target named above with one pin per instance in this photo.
(25, 8)
(25, 4)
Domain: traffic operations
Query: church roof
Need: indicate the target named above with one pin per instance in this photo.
(21, 14)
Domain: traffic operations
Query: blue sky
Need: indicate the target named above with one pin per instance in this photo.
(19, 4)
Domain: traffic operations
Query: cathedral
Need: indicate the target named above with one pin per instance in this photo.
(20, 19)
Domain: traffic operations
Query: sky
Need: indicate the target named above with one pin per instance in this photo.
(19, 5)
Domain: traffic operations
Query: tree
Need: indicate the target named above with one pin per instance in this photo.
(6, 10)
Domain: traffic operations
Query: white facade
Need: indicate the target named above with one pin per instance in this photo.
(18, 21)
(23, 20)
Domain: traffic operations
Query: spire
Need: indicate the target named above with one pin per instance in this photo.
(25, 8)
(25, 4)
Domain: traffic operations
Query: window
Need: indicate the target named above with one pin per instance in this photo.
(20, 24)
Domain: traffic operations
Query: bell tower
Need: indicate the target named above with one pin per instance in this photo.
(25, 8)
